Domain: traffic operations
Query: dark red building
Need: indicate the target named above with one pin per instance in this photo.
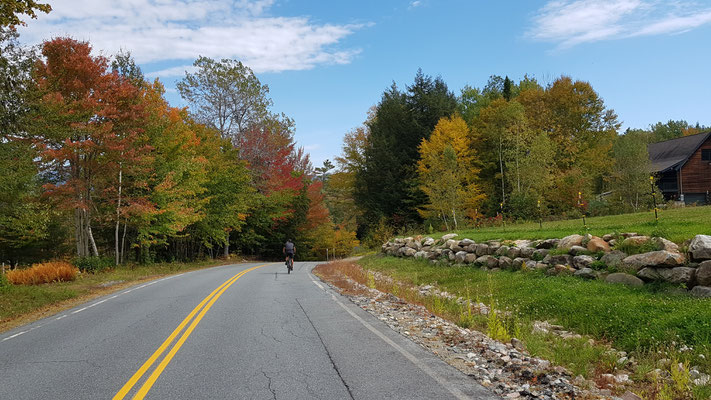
(683, 167)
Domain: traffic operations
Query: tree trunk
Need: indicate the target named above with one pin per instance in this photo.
(123, 241)
(227, 245)
(501, 168)
(118, 215)
(94, 250)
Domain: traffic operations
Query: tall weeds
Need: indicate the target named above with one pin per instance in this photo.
(55, 271)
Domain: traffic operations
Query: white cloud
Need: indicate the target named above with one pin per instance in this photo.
(415, 4)
(572, 22)
(180, 30)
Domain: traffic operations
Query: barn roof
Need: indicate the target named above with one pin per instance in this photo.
(673, 154)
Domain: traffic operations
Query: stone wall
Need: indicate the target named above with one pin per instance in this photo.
(587, 257)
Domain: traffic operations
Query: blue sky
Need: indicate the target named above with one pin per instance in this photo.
(328, 62)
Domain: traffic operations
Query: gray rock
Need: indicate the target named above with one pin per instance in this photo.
(493, 247)
(613, 258)
(518, 263)
(482, 249)
(409, 252)
(564, 259)
(466, 242)
(701, 291)
(470, 258)
(460, 256)
(527, 252)
(660, 258)
(540, 253)
(502, 251)
(492, 262)
(548, 244)
(664, 244)
(505, 262)
(581, 262)
(531, 264)
(428, 242)
(635, 240)
(625, 279)
(420, 254)
(513, 252)
(700, 247)
(703, 274)
(482, 260)
(577, 250)
(585, 273)
(608, 237)
(471, 248)
(683, 275)
(651, 274)
(570, 241)
(629, 234)
(449, 236)
(452, 255)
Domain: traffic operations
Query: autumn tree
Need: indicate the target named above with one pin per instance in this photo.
(10, 10)
(448, 172)
(225, 95)
(630, 181)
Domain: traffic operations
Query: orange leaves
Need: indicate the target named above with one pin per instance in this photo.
(55, 271)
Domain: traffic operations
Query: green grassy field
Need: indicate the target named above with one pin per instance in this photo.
(641, 321)
(18, 301)
(676, 225)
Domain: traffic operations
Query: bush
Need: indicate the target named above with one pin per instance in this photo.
(93, 264)
(56, 271)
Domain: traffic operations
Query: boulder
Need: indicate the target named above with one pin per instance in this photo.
(660, 258)
(470, 258)
(560, 269)
(471, 248)
(577, 250)
(482, 260)
(581, 262)
(513, 252)
(629, 234)
(663, 244)
(585, 273)
(530, 264)
(502, 251)
(452, 255)
(625, 279)
(541, 266)
(482, 249)
(493, 247)
(613, 258)
(564, 259)
(597, 244)
(420, 254)
(570, 241)
(505, 262)
(701, 291)
(518, 263)
(635, 240)
(460, 256)
(408, 252)
(683, 275)
(428, 242)
(700, 247)
(492, 262)
(608, 237)
(548, 244)
(449, 243)
(527, 252)
(651, 274)
(449, 236)
(466, 242)
(540, 253)
(703, 274)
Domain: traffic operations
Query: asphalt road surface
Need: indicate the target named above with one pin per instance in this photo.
(246, 331)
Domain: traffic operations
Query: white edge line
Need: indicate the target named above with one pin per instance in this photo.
(14, 336)
(455, 392)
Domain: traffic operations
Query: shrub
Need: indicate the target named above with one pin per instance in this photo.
(55, 271)
(93, 264)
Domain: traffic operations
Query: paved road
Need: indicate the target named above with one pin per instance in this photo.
(230, 332)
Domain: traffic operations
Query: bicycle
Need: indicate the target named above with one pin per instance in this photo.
(289, 264)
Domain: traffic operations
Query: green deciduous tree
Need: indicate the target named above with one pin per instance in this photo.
(11, 9)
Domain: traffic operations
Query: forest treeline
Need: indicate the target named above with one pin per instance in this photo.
(95, 162)
(426, 158)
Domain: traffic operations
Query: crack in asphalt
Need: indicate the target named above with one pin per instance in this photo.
(269, 384)
(328, 353)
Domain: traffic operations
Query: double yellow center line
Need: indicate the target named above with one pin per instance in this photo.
(200, 311)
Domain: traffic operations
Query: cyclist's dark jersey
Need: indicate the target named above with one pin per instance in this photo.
(289, 248)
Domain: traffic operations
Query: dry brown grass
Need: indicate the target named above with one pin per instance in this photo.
(53, 271)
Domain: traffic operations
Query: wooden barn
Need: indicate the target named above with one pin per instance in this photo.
(683, 168)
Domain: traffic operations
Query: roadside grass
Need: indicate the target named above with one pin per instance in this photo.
(648, 323)
(677, 225)
(21, 304)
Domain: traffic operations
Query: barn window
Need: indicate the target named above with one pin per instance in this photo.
(706, 154)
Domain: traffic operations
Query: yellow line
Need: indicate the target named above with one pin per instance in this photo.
(142, 370)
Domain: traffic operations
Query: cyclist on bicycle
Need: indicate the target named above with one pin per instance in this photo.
(289, 250)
